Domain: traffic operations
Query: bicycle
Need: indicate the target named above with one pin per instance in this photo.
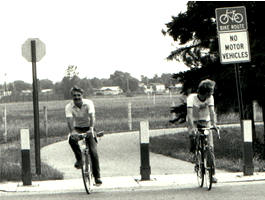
(86, 168)
(204, 163)
(231, 15)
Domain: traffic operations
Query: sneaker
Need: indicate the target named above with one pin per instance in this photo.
(196, 168)
(98, 181)
(78, 164)
(214, 180)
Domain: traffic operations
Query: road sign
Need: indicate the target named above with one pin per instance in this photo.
(234, 47)
(231, 19)
(40, 49)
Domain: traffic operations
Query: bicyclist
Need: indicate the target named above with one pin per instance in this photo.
(80, 115)
(200, 112)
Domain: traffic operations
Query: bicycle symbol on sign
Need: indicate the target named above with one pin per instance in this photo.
(231, 15)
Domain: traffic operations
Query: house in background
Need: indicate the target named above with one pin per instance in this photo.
(47, 91)
(159, 88)
(4, 93)
(109, 90)
(175, 88)
(148, 89)
(26, 92)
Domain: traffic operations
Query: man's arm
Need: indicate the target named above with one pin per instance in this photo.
(191, 127)
(91, 119)
(212, 116)
(70, 123)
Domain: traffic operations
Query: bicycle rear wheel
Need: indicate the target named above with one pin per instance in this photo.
(87, 174)
(208, 161)
(199, 168)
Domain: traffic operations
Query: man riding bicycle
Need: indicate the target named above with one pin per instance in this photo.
(201, 113)
(80, 116)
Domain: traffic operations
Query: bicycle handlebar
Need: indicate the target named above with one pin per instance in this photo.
(216, 129)
(83, 135)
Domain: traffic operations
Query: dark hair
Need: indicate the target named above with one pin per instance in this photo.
(206, 86)
(76, 89)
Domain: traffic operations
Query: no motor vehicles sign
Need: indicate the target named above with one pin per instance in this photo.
(234, 47)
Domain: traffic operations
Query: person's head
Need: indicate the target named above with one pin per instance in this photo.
(77, 95)
(206, 88)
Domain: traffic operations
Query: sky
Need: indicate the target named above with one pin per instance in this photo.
(98, 36)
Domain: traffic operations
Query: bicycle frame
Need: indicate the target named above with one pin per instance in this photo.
(204, 166)
(86, 169)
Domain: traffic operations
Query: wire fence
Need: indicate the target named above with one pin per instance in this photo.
(29, 97)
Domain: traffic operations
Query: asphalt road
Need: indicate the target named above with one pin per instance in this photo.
(119, 155)
(245, 191)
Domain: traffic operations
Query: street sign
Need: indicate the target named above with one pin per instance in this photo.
(231, 19)
(34, 50)
(234, 47)
(40, 49)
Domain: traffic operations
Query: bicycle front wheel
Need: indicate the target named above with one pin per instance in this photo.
(87, 174)
(209, 166)
(199, 168)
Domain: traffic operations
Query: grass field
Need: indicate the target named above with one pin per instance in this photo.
(228, 150)
(111, 116)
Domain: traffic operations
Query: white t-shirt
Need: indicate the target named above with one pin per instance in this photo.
(200, 108)
(80, 115)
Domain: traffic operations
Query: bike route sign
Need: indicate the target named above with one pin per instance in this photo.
(231, 19)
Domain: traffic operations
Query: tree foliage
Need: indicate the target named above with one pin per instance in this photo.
(196, 36)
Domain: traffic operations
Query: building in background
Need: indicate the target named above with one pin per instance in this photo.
(109, 90)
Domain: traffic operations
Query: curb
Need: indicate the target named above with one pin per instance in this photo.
(128, 183)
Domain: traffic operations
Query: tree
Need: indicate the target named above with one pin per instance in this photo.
(46, 84)
(144, 79)
(86, 85)
(96, 83)
(124, 81)
(18, 86)
(69, 80)
(195, 33)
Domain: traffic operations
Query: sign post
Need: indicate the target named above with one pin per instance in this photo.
(25, 154)
(145, 168)
(130, 116)
(234, 48)
(33, 50)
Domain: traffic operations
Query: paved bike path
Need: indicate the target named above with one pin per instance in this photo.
(119, 155)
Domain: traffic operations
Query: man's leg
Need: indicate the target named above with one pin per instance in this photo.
(211, 144)
(76, 149)
(94, 157)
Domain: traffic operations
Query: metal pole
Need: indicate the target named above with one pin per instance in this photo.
(130, 116)
(5, 114)
(5, 124)
(239, 92)
(246, 130)
(145, 169)
(36, 108)
(25, 154)
(248, 167)
(45, 111)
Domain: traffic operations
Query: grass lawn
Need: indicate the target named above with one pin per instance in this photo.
(228, 150)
